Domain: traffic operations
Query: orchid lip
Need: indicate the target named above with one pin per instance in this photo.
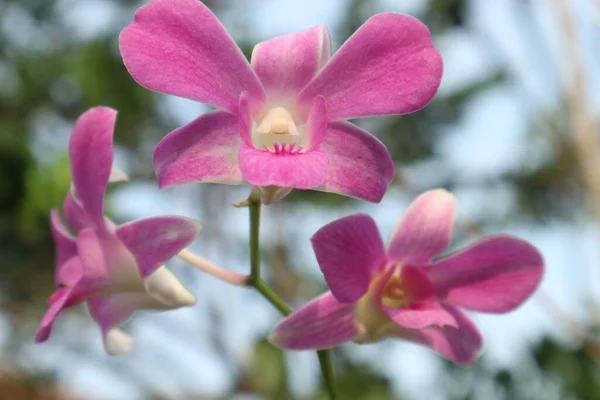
(278, 132)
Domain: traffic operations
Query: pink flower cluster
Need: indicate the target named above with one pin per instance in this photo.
(281, 124)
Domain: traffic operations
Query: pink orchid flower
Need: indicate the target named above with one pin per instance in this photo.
(280, 122)
(116, 269)
(401, 291)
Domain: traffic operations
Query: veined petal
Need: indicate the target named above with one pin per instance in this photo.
(388, 66)
(285, 64)
(64, 242)
(350, 252)
(425, 230)
(111, 311)
(91, 157)
(316, 125)
(164, 286)
(319, 324)
(359, 164)
(496, 274)
(299, 170)
(461, 344)
(205, 150)
(179, 47)
(153, 241)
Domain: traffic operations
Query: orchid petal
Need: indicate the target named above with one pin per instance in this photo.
(285, 64)
(316, 125)
(349, 251)
(460, 343)
(75, 214)
(56, 307)
(496, 274)
(319, 324)
(72, 294)
(164, 286)
(91, 157)
(111, 311)
(359, 164)
(65, 244)
(425, 230)
(117, 175)
(298, 170)
(205, 150)
(179, 47)
(153, 241)
(107, 265)
(401, 73)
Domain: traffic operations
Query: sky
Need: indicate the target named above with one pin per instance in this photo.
(487, 140)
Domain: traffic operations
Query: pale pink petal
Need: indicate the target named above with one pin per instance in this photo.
(319, 324)
(425, 230)
(205, 150)
(388, 66)
(75, 214)
(117, 175)
(179, 47)
(107, 265)
(298, 170)
(153, 241)
(359, 164)
(111, 311)
(350, 252)
(164, 286)
(91, 156)
(496, 274)
(461, 344)
(64, 243)
(421, 316)
(286, 63)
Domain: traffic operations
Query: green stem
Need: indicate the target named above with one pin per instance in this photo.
(255, 281)
(271, 296)
(327, 371)
(254, 207)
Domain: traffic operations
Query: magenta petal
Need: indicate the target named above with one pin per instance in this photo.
(299, 171)
(286, 63)
(75, 214)
(205, 150)
(461, 343)
(58, 304)
(319, 324)
(179, 47)
(153, 241)
(496, 274)
(425, 230)
(91, 156)
(359, 164)
(388, 66)
(64, 242)
(349, 251)
(316, 125)
(111, 311)
(422, 316)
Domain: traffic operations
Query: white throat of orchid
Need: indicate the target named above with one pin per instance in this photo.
(278, 133)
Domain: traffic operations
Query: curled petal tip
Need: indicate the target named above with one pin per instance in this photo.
(117, 342)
